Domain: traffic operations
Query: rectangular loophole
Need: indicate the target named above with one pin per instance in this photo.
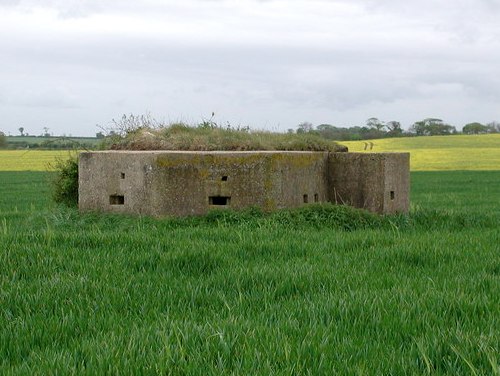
(316, 197)
(392, 195)
(219, 200)
(122, 175)
(306, 199)
(116, 200)
(224, 178)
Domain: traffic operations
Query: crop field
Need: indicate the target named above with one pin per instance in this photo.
(437, 153)
(31, 160)
(321, 290)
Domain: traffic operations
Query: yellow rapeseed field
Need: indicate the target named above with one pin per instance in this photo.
(430, 153)
(434, 153)
(31, 160)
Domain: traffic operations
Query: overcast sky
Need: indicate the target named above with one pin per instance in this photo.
(271, 64)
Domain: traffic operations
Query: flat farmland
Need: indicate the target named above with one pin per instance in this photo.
(319, 290)
(31, 160)
(436, 153)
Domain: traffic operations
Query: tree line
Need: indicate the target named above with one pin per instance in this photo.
(375, 128)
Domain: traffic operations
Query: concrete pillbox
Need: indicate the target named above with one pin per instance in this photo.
(180, 183)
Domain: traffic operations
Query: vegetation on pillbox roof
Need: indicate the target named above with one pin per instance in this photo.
(143, 133)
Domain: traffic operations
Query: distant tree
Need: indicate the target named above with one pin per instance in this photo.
(475, 128)
(305, 127)
(324, 127)
(375, 123)
(394, 128)
(3, 140)
(494, 127)
(327, 131)
(21, 130)
(432, 127)
(99, 135)
(46, 132)
(331, 132)
(420, 128)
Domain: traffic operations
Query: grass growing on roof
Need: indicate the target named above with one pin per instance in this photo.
(184, 137)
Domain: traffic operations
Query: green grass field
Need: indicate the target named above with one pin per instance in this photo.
(322, 290)
(438, 153)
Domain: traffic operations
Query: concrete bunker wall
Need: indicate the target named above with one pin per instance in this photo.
(190, 183)
(160, 183)
(379, 182)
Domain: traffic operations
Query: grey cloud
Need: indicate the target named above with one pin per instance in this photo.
(384, 59)
(9, 3)
(65, 9)
(49, 99)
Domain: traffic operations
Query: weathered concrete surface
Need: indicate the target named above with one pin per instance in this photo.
(100, 177)
(379, 182)
(162, 183)
(178, 183)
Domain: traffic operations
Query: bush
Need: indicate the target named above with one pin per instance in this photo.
(65, 183)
